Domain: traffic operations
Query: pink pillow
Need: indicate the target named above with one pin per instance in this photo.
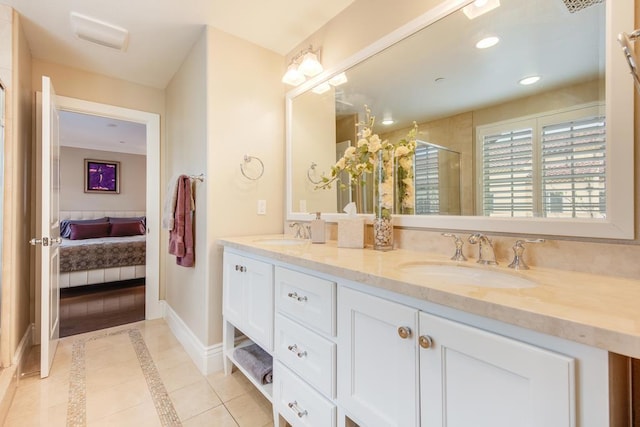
(89, 231)
(121, 229)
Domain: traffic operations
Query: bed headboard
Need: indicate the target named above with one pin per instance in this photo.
(98, 214)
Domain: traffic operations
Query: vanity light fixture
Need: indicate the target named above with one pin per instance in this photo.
(321, 88)
(487, 42)
(99, 32)
(293, 76)
(338, 79)
(304, 64)
(480, 7)
(529, 80)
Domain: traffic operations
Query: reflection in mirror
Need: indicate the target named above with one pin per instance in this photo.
(473, 84)
(495, 145)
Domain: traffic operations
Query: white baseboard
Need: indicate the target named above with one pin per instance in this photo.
(208, 359)
(24, 346)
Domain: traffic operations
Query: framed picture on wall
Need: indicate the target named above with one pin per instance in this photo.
(101, 176)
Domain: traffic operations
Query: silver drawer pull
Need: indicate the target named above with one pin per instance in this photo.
(295, 408)
(296, 297)
(294, 349)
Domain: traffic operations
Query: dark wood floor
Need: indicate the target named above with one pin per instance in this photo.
(93, 307)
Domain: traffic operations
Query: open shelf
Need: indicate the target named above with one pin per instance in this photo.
(265, 389)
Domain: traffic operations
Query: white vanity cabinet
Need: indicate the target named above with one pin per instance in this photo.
(248, 298)
(305, 349)
(378, 368)
(471, 377)
(402, 367)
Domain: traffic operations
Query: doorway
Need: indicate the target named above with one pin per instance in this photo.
(100, 287)
(151, 121)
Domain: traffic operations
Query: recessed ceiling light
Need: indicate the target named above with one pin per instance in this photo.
(487, 42)
(529, 80)
(387, 122)
(112, 125)
(122, 142)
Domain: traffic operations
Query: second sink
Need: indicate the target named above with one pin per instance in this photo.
(466, 275)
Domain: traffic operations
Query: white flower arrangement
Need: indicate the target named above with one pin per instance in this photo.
(363, 158)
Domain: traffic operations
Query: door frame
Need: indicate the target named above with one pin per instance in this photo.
(153, 305)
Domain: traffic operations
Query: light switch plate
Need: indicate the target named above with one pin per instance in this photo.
(262, 207)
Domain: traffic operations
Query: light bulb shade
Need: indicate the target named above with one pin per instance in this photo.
(310, 65)
(338, 79)
(293, 76)
(321, 88)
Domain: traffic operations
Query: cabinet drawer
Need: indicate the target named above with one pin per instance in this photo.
(306, 298)
(298, 403)
(307, 354)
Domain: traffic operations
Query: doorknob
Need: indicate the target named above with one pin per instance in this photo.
(35, 241)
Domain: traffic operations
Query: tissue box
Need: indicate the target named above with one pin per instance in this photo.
(351, 233)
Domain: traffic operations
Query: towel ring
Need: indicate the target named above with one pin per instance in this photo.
(247, 159)
(311, 169)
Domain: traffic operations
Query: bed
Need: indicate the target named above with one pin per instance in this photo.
(101, 257)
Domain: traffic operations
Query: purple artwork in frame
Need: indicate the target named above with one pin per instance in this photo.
(101, 176)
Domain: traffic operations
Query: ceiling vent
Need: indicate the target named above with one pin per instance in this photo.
(576, 5)
(99, 32)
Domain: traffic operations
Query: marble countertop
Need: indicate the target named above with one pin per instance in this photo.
(600, 311)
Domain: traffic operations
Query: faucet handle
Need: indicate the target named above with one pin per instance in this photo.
(297, 228)
(518, 249)
(458, 256)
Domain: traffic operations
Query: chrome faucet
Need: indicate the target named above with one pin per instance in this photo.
(518, 249)
(301, 231)
(486, 254)
(458, 256)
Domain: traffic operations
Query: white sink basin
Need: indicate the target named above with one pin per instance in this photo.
(282, 241)
(467, 275)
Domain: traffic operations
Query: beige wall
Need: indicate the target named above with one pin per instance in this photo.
(364, 22)
(133, 191)
(186, 125)
(15, 69)
(245, 113)
(225, 101)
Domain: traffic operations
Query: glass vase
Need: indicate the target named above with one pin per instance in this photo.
(405, 186)
(382, 221)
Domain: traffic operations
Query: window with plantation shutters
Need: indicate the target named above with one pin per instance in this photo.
(507, 172)
(549, 165)
(427, 180)
(573, 168)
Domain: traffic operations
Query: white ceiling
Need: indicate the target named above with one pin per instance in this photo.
(161, 32)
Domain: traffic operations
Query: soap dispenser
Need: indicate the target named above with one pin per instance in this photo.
(317, 229)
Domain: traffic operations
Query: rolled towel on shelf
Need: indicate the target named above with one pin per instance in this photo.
(256, 361)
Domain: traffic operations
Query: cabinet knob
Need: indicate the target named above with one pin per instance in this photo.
(425, 341)
(295, 408)
(294, 349)
(295, 296)
(404, 332)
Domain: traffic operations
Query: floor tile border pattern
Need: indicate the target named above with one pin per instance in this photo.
(76, 408)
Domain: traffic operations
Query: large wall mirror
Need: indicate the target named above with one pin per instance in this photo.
(552, 157)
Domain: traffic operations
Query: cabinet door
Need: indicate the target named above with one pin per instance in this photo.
(258, 302)
(377, 368)
(470, 377)
(232, 286)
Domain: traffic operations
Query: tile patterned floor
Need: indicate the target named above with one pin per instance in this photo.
(134, 375)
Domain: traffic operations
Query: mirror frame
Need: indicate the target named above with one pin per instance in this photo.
(619, 109)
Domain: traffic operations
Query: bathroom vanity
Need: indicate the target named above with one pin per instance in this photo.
(407, 338)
